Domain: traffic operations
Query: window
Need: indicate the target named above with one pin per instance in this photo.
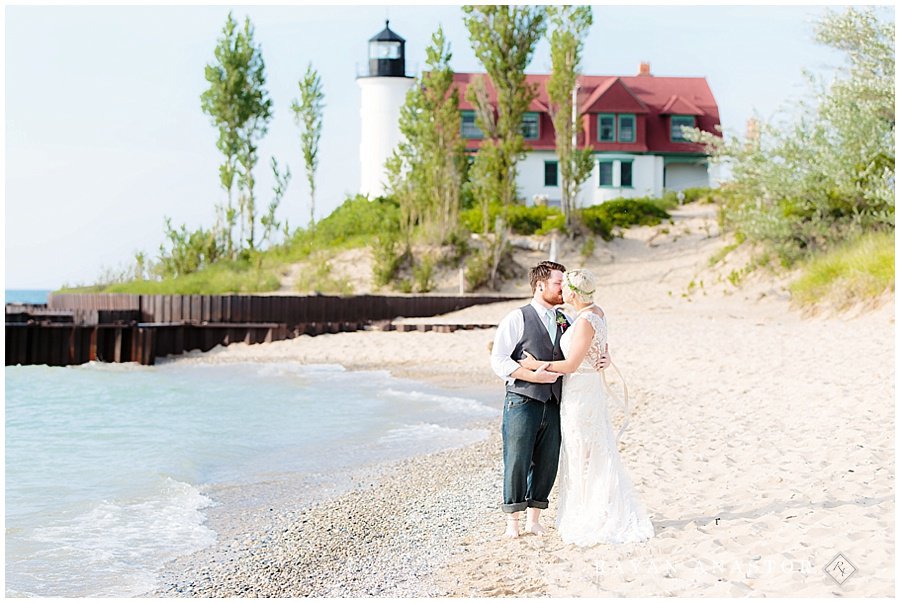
(606, 127)
(625, 174)
(551, 173)
(531, 126)
(606, 173)
(468, 127)
(679, 121)
(384, 49)
(626, 128)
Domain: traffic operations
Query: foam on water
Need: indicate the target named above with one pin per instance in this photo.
(453, 404)
(106, 463)
(108, 547)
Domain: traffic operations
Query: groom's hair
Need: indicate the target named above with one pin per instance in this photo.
(541, 273)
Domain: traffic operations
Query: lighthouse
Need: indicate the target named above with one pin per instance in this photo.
(383, 94)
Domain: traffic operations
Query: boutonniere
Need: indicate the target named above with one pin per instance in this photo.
(561, 321)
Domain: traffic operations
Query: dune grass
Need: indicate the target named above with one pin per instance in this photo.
(219, 279)
(858, 271)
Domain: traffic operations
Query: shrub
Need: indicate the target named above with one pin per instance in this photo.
(478, 269)
(701, 194)
(522, 219)
(188, 251)
(621, 213)
(423, 273)
(597, 222)
(387, 258)
(356, 221)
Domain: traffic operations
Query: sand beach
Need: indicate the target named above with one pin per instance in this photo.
(761, 442)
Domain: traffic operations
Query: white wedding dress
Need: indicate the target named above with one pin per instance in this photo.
(597, 500)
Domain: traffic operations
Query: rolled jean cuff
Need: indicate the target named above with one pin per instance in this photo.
(538, 504)
(513, 507)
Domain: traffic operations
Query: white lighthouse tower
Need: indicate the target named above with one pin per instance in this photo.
(383, 93)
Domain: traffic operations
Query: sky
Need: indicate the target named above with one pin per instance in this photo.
(104, 135)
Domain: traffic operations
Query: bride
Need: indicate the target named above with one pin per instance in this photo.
(597, 500)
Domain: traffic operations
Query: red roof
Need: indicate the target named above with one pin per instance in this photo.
(650, 98)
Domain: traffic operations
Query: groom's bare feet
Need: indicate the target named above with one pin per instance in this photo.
(512, 526)
(534, 528)
(533, 521)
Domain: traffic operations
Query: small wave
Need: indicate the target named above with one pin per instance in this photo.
(455, 404)
(117, 547)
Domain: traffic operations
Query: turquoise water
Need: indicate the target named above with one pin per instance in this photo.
(107, 465)
(27, 296)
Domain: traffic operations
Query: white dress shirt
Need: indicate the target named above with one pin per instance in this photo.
(509, 333)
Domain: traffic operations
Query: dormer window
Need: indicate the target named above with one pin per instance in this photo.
(626, 127)
(468, 127)
(531, 126)
(616, 127)
(679, 122)
(606, 127)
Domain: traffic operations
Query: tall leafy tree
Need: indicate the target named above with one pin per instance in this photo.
(827, 173)
(503, 38)
(569, 25)
(240, 107)
(308, 112)
(218, 101)
(426, 170)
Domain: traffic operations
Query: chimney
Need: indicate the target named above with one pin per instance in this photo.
(751, 138)
(644, 68)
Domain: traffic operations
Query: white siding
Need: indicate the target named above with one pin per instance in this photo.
(530, 177)
(647, 178)
(680, 176)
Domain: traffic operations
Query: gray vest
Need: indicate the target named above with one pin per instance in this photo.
(536, 342)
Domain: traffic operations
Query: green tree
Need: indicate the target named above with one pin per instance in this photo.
(240, 108)
(308, 113)
(269, 221)
(503, 38)
(218, 102)
(826, 174)
(569, 27)
(426, 170)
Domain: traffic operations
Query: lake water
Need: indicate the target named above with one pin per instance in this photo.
(27, 296)
(108, 466)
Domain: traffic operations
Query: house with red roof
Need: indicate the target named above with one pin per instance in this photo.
(633, 125)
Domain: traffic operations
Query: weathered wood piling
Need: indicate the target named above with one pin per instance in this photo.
(109, 327)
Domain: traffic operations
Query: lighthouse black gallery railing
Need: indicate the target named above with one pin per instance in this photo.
(78, 328)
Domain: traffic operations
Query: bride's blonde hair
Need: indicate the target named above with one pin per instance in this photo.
(582, 284)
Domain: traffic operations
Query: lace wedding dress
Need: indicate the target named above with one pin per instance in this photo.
(597, 500)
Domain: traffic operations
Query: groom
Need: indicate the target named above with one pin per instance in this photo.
(531, 434)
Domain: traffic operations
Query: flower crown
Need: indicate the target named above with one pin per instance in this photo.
(578, 290)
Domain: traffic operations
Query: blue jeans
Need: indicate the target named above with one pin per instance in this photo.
(530, 451)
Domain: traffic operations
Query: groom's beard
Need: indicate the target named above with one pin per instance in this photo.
(552, 298)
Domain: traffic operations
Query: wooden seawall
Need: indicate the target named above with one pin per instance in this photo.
(110, 327)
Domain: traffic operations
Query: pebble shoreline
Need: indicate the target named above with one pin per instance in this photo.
(386, 537)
